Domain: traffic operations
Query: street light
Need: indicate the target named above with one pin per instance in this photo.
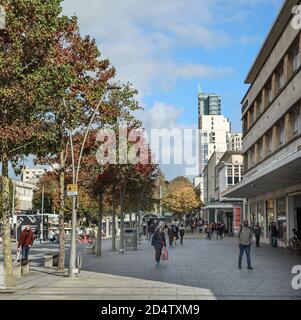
(75, 175)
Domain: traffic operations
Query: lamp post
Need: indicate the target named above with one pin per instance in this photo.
(75, 175)
(2, 18)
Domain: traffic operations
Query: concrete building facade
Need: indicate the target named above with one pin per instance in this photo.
(271, 112)
(223, 171)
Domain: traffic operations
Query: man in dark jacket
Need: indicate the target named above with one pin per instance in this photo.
(170, 233)
(274, 235)
(158, 242)
(257, 232)
(25, 242)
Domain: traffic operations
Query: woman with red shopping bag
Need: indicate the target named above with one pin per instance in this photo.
(159, 244)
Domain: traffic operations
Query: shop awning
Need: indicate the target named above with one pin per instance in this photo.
(219, 206)
(281, 173)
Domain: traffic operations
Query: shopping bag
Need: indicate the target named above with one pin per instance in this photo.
(165, 255)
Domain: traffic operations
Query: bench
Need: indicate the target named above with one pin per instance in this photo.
(90, 249)
(51, 260)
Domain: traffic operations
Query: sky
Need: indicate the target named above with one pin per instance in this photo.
(166, 48)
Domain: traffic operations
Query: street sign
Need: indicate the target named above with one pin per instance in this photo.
(72, 190)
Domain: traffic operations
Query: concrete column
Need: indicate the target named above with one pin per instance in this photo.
(107, 227)
(246, 166)
(275, 138)
(288, 127)
(215, 216)
(274, 85)
(287, 67)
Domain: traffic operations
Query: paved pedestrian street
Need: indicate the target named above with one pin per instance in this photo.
(198, 270)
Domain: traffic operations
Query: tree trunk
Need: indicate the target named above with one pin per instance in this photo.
(8, 266)
(100, 215)
(114, 218)
(61, 263)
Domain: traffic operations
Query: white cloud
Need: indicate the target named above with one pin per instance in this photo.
(138, 37)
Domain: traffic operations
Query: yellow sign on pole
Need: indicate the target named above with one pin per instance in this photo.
(72, 190)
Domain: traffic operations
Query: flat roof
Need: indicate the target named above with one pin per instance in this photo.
(272, 38)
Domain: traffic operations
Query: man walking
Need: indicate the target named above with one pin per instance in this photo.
(245, 241)
(274, 234)
(182, 233)
(159, 243)
(257, 231)
(25, 242)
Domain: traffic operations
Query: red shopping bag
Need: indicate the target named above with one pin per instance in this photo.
(165, 255)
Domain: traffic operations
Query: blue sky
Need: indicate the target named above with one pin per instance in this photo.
(167, 47)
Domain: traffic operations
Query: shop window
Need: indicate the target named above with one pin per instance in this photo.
(281, 217)
(260, 216)
(270, 215)
(253, 213)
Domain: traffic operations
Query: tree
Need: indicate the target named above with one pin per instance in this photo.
(181, 197)
(27, 44)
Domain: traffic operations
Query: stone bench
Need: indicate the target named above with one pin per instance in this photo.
(51, 260)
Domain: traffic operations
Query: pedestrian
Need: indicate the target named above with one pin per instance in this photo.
(274, 235)
(297, 234)
(25, 242)
(159, 243)
(170, 234)
(151, 230)
(245, 241)
(257, 231)
(182, 233)
(209, 232)
(218, 231)
(175, 234)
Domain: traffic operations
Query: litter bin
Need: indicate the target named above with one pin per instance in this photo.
(130, 239)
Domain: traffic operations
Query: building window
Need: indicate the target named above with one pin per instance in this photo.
(270, 142)
(296, 121)
(270, 94)
(281, 133)
(280, 79)
(230, 181)
(260, 105)
(253, 213)
(270, 214)
(281, 217)
(295, 59)
(260, 215)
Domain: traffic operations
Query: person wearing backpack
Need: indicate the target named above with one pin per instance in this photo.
(245, 240)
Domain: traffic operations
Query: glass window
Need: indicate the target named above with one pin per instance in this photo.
(270, 214)
(280, 79)
(260, 215)
(270, 94)
(282, 133)
(253, 213)
(296, 59)
(230, 181)
(296, 121)
(281, 217)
